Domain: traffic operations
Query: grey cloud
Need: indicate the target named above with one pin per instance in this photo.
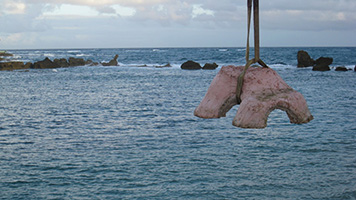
(156, 22)
(28, 21)
(106, 9)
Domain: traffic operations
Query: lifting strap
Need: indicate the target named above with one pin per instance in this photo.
(256, 59)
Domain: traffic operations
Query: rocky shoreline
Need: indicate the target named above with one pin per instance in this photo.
(49, 64)
(304, 60)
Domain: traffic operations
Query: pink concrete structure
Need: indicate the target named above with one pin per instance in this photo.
(263, 91)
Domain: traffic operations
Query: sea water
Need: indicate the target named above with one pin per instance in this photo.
(128, 132)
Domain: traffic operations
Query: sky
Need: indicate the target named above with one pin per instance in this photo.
(51, 24)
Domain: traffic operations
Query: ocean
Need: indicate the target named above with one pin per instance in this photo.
(128, 132)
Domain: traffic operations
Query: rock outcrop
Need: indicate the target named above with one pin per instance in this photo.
(61, 62)
(322, 64)
(112, 62)
(45, 64)
(9, 66)
(210, 66)
(49, 64)
(74, 62)
(304, 59)
(324, 61)
(191, 65)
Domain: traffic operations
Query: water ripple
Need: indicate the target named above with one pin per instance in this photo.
(130, 133)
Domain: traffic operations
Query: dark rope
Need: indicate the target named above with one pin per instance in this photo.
(257, 59)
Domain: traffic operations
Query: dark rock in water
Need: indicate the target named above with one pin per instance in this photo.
(112, 62)
(321, 67)
(322, 64)
(28, 65)
(45, 64)
(191, 65)
(91, 63)
(355, 68)
(76, 62)
(163, 66)
(9, 66)
(304, 59)
(49, 64)
(341, 69)
(209, 66)
(4, 54)
(61, 62)
(324, 61)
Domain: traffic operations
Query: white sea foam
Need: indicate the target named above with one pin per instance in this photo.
(82, 55)
(49, 54)
(133, 50)
(159, 50)
(279, 66)
(350, 67)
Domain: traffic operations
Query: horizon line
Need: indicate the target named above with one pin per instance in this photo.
(187, 47)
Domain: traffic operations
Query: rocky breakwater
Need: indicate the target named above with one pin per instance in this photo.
(191, 65)
(56, 63)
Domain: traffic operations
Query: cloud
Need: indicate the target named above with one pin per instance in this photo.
(16, 17)
(11, 7)
(90, 19)
(222, 13)
(308, 15)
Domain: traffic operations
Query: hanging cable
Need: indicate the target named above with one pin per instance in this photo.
(256, 59)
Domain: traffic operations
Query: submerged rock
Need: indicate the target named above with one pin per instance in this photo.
(341, 69)
(163, 66)
(304, 59)
(191, 65)
(210, 66)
